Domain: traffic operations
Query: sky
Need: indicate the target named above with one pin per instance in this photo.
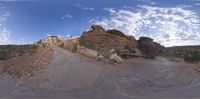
(169, 22)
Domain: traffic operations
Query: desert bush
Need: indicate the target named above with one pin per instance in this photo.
(86, 43)
(9, 51)
(150, 56)
(74, 48)
(3, 55)
(193, 56)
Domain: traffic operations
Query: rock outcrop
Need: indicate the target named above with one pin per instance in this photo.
(71, 41)
(54, 41)
(103, 40)
(149, 48)
(99, 39)
(103, 44)
(116, 58)
(50, 41)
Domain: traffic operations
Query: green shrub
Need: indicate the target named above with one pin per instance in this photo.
(3, 55)
(150, 56)
(86, 43)
(74, 48)
(193, 56)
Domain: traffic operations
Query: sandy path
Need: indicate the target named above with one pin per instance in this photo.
(73, 76)
(69, 71)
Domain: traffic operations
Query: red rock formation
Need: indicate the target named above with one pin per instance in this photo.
(149, 48)
(99, 39)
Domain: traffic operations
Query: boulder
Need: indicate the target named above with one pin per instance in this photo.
(116, 58)
(88, 52)
(197, 67)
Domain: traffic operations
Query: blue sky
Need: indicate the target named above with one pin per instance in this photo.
(170, 22)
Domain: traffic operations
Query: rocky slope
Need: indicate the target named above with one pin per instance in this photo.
(24, 60)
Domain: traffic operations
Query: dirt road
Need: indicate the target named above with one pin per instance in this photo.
(71, 76)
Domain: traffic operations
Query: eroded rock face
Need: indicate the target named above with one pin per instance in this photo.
(125, 46)
(149, 48)
(159, 48)
(99, 39)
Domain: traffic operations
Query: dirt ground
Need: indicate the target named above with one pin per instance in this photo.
(71, 76)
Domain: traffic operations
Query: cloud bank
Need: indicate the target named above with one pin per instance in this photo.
(168, 26)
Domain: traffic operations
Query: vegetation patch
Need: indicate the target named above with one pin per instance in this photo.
(74, 48)
(3, 55)
(189, 55)
(87, 43)
(193, 56)
(9, 51)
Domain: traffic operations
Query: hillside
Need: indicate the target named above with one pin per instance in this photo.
(188, 53)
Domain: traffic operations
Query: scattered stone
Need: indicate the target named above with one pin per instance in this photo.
(99, 57)
(26, 65)
(116, 58)
(88, 52)
(197, 68)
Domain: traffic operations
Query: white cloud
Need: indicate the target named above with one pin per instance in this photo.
(88, 8)
(111, 10)
(4, 36)
(4, 32)
(168, 26)
(68, 35)
(67, 16)
(84, 7)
